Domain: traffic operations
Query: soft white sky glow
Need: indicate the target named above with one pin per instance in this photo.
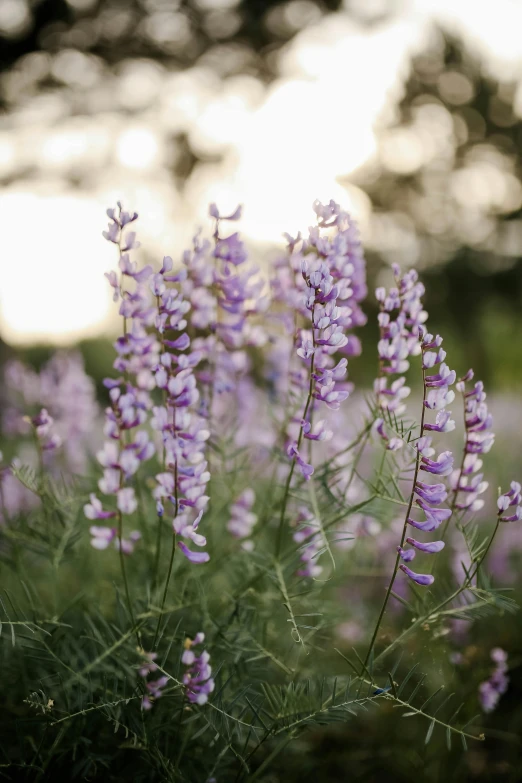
(283, 147)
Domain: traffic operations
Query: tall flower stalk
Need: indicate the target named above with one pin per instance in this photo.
(183, 482)
(125, 449)
(396, 344)
(329, 275)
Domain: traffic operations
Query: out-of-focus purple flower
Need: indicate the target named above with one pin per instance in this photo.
(153, 688)
(94, 509)
(198, 676)
(126, 500)
(305, 468)
(392, 444)
(43, 427)
(242, 519)
(492, 689)
(308, 535)
(102, 536)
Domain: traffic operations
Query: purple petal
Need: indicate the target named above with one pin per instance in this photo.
(421, 579)
(194, 557)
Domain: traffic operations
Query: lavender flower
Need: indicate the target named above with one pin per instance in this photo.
(512, 497)
(493, 688)
(197, 678)
(242, 520)
(330, 285)
(103, 536)
(401, 316)
(183, 431)
(154, 688)
(402, 335)
(43, 425)
(421, 579)
(124, 451)
(64, 390)
(309, 536)
(466, 482)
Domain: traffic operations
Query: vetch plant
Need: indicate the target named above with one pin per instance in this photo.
(241, 504)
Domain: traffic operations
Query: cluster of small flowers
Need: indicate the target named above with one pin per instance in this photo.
(197, 678)
(154, 688)
(183, 431)
(437, 395)
(137, 352)
(311, 539)
(479, 439)
(64, 390)
(399, 339)
(242, 519)
(223, 299)
(509, 499)
(332, 272)
(492, 689)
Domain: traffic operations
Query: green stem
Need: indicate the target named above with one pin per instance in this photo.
(309, 399)
(405, 527)
(433, 612)
(174, 538)
(124, 575)
(165, 589)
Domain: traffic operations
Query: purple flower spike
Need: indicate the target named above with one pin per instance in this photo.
(421, 579)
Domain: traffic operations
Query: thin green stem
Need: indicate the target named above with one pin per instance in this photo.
(279, 539)
(434, 612)
(404, 529)
(174, 538)
(166, 588)
(124, 576)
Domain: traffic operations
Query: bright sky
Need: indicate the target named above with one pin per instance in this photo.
(282, 148)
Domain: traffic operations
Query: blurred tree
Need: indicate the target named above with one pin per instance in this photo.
(446, 194)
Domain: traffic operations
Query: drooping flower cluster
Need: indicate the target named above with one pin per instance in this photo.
(242, 519)
(328, 274)
(183, 430)
(428, 496)
(154, 688)
(493, 688)
(467, 483)
(197, 678)
(126, 448)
